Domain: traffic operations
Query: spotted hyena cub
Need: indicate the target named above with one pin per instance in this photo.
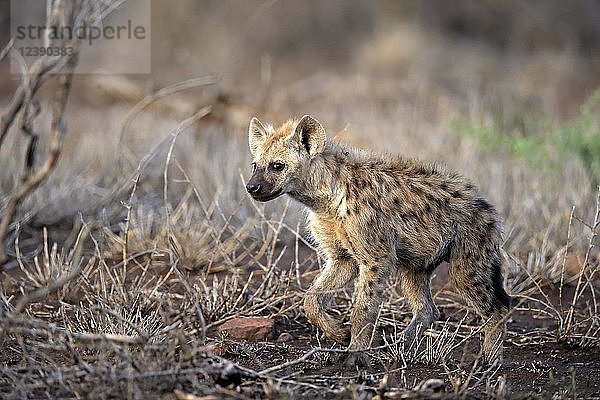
(374, 215)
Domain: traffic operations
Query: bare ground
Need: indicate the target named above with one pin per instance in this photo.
(41, 359)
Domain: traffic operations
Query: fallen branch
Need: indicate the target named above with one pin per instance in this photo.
(81, 336)
(316, 350)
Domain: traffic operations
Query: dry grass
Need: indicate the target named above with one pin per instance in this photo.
(139, 315)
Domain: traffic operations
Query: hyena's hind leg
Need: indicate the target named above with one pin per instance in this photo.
(337, 273)
(478, 278)
(417, 289)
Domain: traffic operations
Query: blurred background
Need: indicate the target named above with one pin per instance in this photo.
(504, 92)
(544, 53)
(143, 230)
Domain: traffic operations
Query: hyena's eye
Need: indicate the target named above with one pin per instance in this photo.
(276, 166)
(253, 167)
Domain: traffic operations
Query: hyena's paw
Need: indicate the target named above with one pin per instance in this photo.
(332, 328)
(407, 337)
(337, 331)
(357, 360)
(492, 361)
(492, 356)
(410, 334)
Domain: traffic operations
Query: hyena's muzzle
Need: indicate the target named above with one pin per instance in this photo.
(261, 189)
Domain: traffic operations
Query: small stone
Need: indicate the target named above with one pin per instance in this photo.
(255, 329)
(217, 349)
(181, 395)
(285, 337)
(431, 386)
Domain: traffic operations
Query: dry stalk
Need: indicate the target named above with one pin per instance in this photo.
(33, 180)
(161, 93)
(36, 295)
(564, 261)
(128, 221)
(584, 268)
(52, 331)
(175, 134)
(7, 49)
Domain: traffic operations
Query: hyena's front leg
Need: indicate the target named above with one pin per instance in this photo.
(336, 274)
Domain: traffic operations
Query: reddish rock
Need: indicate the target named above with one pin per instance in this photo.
(255, 329)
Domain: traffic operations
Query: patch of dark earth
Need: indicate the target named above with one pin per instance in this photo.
(532, 369)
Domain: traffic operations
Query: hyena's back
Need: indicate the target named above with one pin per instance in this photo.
(434, 215)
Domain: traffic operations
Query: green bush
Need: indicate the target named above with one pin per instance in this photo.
(536, 141)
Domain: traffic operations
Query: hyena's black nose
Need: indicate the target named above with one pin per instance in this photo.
(252, 187)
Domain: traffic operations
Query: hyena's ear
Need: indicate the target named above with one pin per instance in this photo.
(311, 135)
(257, 134)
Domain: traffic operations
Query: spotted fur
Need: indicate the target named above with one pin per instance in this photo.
(373, 215)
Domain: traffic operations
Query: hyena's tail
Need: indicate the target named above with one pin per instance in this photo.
(481, 282)
(478, 277)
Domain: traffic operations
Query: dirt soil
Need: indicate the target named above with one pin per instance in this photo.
(531, 369)
(535, 365)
